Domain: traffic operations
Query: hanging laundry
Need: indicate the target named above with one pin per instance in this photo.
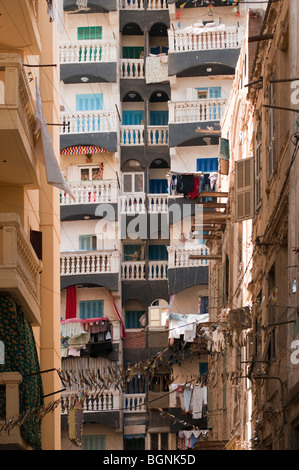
(193, 194)
(187, 398)
(50, 10)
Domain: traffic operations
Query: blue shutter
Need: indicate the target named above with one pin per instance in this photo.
(215, 92)
(130, 118)
(157, 252)
(159, 118)
(89, 102)
(158, 186)
(91, 309)
(207, 165)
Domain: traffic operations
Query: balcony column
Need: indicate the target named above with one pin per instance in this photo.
(12, 381)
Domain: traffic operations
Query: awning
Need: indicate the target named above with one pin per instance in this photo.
(82, 150)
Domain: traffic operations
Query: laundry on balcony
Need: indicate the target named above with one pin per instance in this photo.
(156, 70)
(187, 439)
(185, 326)
(191, 184)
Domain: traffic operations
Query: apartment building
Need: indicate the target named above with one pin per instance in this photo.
(30, 227)
(257, 307)
(144, 86)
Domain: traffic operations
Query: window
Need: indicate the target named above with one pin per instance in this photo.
(133, 52)
(159, 441)
(87, 242)
(207, 165)
(244, 189)
(89, 102)
(158, 312)
(90, 173)
(209, 92)
(133, 252)
(271, 132)
(94, 442)
(133, 182)
(203, 304)
(157, 252)
(91, 309)
(133, 318)
(131, 118)
(89, 32)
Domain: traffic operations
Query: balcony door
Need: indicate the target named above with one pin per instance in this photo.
(89, 102)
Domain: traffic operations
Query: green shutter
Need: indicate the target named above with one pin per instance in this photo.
(132, 318)
(89, 32)
(91, 309)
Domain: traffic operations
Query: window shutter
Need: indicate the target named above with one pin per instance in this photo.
(244, 189)
(91, 309)
(221, 285)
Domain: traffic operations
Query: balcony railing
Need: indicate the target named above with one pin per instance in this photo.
(157, 135)
(202, 110)
(157, 203)
(138, 270)
(133, 203)
(143, 4)
(132, 135)
(134, 403)
(19, 266)
(132, 68)
(180, 257)
(88, 52)
(88, 122)
(91, 192)
(93, 401)
(191, 40)
(89, 262)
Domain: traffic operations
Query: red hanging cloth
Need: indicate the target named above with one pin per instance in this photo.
(71, 301)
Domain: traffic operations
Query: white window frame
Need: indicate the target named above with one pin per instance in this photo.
(89, 168)
(159, 439)
(162, 314)
(133, 181)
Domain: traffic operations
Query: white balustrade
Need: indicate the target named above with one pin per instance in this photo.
(131, 68)
(157, 203)
(157, 5)
(157, 270)
(142, 4)
(94, 401)
(202, 110)
(131, 4)
(88, 262)
(88, 192)
(180, 257)
(88, 122)
(132, 203)
(132, 135)
(182, 41)
(87, 52)
(157, 135)
(133, 270)
(135, 402)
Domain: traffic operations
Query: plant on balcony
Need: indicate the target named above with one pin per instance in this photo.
(88, 158)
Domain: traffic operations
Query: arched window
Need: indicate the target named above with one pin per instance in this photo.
(158, 313)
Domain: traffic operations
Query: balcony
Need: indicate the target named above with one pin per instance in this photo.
(143, 5)
(187, 267)
(19, 26)
(87, 194)
(94, 402)
(97, 268)
(17, 122)
(94, 6)
(97, 128)
(139, 203)
(19, 267)
(191, 121)
(134, 403)
(95, 59)
(193, 49)
(132, 68)
(140, 270)
(12, 440)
